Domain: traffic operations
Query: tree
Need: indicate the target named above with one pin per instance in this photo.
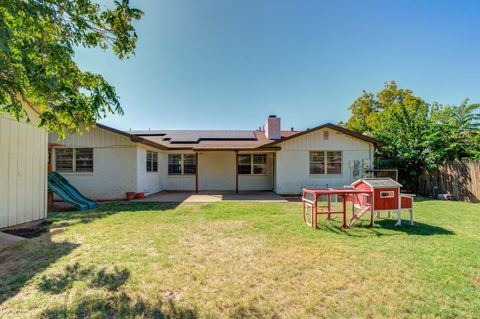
(37, 45)
(417, 135)
(396, 117)
(454, 131)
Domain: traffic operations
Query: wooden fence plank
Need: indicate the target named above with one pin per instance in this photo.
(460, 178)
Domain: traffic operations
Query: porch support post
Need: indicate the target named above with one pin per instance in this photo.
(50, 158)
(274, 173)
(236, 171)
(196, 172)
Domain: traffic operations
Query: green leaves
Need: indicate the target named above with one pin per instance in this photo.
(417, 135)
(37, 38)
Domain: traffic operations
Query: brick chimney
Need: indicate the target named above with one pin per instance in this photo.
(272, 128)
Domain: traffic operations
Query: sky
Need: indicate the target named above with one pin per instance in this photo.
(228, 64)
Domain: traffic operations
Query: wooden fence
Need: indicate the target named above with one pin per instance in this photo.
(460, 178)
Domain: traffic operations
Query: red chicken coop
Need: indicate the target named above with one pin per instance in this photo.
(374, 195)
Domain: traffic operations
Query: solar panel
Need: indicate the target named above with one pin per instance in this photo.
(190, 136)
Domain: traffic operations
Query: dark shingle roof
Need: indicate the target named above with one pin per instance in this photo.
(209, 140)
(231, 139)
(185, 136)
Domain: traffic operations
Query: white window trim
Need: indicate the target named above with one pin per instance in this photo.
(182, 172)
(146, 162)
(251, 165)
(325, 173)
(74, 161)
(390, 194)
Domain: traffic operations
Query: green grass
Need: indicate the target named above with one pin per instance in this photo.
(234, 260)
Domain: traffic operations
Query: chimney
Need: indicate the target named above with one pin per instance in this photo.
(272, 128)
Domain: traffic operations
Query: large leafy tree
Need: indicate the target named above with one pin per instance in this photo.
(417, 135)
(398, 118)
(37, 46)
(454, 132)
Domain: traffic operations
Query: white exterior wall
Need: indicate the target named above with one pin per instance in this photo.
(23, 171)
(293, 161)
(149, 182)
(114, 164)
(216, 171)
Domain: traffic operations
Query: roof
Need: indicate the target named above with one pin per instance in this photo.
(339, 129)
(224, 139)
(212, 140)
(132, 137)
(378, 182)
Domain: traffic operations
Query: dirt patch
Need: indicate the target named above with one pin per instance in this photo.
(29, 232)
(60, 206)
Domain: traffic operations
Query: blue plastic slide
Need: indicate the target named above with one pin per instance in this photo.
(58, 184)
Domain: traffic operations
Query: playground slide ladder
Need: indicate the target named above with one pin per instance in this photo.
(58, 184)
(358, 215)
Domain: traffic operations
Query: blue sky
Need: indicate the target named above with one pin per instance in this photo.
(228, 64)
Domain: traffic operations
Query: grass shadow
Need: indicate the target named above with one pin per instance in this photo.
(334, 228)
(58, 283)
(419, 229)
(113, 304)
(120, 305)
(20, 263)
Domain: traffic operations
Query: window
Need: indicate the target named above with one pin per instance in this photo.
(182, 164)
(74, 160)
(64, 159)
(326, 162)
(245, 164)
(189, 166)
(252, 164)
(174, 164)
(84, 160)
(317, 162)
(387, 194)
(259, 164)
(152, 161)
(334, 163)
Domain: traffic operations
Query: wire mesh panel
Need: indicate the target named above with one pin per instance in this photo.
(308, 214)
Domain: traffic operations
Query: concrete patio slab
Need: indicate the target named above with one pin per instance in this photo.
(209, 197)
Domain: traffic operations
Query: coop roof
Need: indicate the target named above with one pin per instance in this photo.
(378, 182)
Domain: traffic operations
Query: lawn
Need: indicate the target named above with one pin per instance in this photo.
(234, 260)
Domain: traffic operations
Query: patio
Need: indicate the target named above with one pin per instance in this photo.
(209, 197)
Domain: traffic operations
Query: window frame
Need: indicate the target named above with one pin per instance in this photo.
(182, 164)
(325, 163)
(153, 160)
(387, 194)
(252, 164)
(74, 160)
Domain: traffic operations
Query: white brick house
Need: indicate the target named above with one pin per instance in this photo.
(104, 163)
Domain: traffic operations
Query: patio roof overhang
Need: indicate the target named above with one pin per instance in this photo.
(260, 149)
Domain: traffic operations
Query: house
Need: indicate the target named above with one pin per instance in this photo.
(23, 171)
(105, 163)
